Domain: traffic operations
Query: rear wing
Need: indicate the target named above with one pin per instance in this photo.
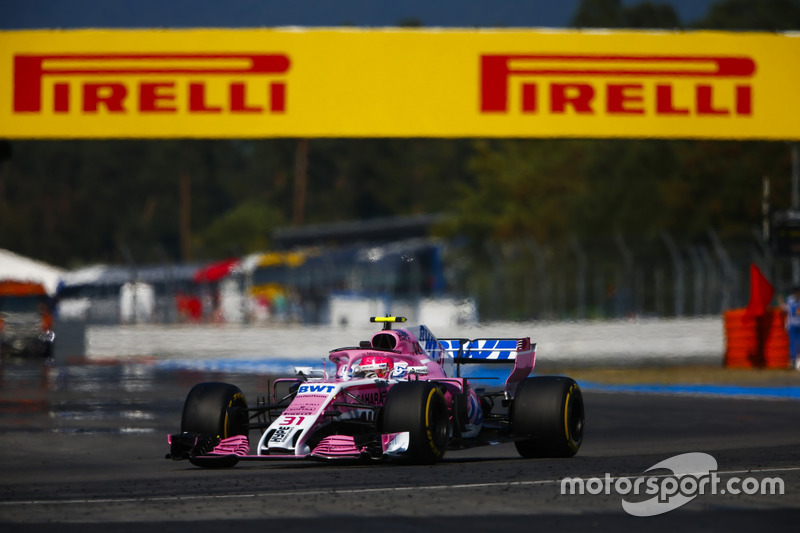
(486, 350)
(520, 352)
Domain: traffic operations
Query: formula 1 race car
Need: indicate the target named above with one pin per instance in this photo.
(397, 396)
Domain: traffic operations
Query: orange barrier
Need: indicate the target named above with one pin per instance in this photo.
(756, 342)
(741, 340)
(21, 288)
(776, 344)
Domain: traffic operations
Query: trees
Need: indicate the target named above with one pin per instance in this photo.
(551, 190)
(774, 15)
(612, 14)
(77, 202)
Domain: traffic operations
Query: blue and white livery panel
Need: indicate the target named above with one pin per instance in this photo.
(519, 352)
(485, 350)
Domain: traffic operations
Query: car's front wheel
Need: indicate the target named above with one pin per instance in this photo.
(418, 407)
(215, 410)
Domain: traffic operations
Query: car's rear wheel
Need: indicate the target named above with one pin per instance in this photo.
(216, 410)
(418, 407)
(548, 417)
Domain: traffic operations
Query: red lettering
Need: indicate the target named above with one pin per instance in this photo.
(529, 98)
(197, 100)
(664, 105)
(744, 100)
(111, 95)
(494, 83)
(239, 100)
(61, 98)
(30, 72)
(498, 69)
(624, 99)
(28, 83)
(705, 103)
(577, 95)
(157, 97)
(277, 97)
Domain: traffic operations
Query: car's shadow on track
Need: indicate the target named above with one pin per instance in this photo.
(302, 464)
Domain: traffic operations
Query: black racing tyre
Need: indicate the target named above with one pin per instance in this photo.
(418, 407)
(548, 412)
(216, 410)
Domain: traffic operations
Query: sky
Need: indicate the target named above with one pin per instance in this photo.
(28, 14)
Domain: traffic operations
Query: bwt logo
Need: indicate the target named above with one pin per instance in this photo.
(310, 389)
(642, 84)
(151, 83)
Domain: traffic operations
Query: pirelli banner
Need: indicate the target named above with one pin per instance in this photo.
(398, 83)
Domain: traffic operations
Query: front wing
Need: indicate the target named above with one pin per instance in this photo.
(214, 451)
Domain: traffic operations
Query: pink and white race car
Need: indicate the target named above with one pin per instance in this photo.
(398, 396)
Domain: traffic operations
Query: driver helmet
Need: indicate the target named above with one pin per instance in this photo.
(375, 363)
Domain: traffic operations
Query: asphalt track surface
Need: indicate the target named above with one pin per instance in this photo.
(84, 446)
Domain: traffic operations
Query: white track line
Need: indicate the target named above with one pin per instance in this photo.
(300, 493)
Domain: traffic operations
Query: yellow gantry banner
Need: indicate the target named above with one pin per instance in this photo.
(218, 83)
